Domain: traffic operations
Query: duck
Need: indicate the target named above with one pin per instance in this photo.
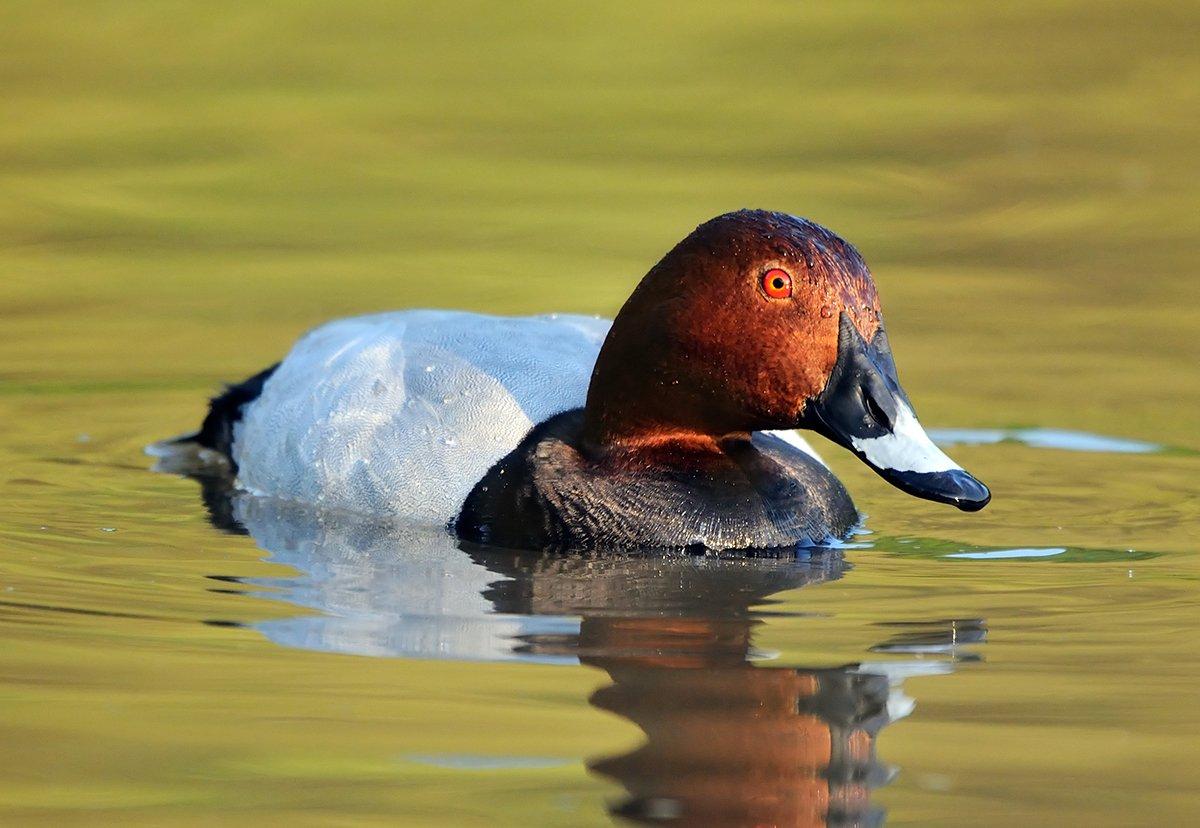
(674, 426)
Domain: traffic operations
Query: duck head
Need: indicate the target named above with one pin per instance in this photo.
(761, 321)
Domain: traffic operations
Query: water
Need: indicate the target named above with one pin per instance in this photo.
(185, 188)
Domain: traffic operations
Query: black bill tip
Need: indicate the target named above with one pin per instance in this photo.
(955, 486)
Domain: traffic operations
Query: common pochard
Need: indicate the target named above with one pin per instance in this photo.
(671, 428)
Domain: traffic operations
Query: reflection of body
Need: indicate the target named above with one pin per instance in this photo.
(728, 740)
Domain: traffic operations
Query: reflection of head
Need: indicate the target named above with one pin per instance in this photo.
(740, 745)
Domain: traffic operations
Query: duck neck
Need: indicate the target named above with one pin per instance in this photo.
(645, 411)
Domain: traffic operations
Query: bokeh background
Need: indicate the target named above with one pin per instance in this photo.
(187, 186)
(207, 179)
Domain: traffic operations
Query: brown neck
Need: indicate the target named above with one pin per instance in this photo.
(635, 407)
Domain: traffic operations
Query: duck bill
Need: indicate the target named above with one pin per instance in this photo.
(864, 409)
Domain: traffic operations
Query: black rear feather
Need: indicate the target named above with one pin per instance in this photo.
(225, 410)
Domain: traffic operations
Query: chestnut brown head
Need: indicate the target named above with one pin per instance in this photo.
(761, 321)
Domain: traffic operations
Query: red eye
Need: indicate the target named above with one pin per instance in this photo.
(777, 284)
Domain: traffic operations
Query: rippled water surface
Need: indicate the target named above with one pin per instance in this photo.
(184, 188)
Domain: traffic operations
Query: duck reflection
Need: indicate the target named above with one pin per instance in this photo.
(730, 739)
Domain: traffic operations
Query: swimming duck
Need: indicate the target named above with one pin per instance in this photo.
(673, 427)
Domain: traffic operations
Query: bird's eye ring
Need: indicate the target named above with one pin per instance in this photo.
(777, 284)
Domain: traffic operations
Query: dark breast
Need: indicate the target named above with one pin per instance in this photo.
(759, 494)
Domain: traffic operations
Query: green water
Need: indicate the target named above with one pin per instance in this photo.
(185, 187)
